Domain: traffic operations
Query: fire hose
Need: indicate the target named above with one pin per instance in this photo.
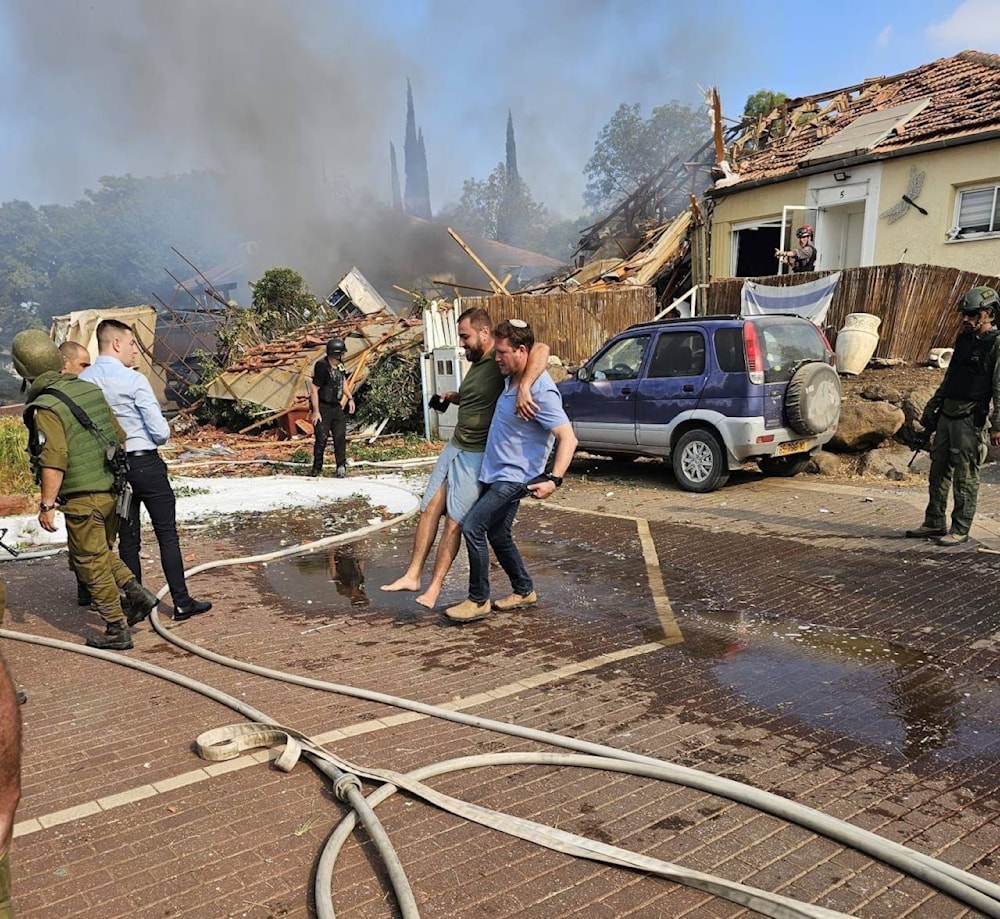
(976, 892)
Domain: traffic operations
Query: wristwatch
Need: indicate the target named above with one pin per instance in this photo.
(555, 479)
(42, 506)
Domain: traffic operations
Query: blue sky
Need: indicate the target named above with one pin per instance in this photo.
(294, 93)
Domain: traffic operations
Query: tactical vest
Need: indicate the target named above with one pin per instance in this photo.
(332, 391)
(88, 470)
(970, 373)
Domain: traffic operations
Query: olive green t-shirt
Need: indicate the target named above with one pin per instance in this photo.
(480, 389)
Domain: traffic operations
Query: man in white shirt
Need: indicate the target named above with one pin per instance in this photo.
(135, 406)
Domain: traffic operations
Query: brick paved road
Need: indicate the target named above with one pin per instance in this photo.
(777, 632)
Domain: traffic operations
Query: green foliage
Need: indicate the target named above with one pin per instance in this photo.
(108, 249)
(501, 208)
(409, 446)
(230, 415)
(15, 465)
(280, 304)
(392, 391)
(631, 149)
(761, 103)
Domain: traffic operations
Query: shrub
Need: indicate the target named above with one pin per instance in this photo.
(15, 465)
(392, 391)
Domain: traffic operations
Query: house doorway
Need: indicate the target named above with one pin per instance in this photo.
(843, 231)
(754, 256)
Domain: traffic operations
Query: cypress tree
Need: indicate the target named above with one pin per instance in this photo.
(410, 154)
(397, 198)
(424, 179)
(511, 148)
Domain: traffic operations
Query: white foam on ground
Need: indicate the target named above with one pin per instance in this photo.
(213, 496)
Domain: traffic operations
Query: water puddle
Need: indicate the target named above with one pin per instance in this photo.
(596, 597)
(873, 691)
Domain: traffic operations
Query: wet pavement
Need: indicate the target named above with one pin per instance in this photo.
(776, 632)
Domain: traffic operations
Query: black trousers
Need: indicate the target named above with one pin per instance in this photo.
(332, 421)
(150, 487)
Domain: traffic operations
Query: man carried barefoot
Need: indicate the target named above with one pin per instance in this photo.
(453, 486)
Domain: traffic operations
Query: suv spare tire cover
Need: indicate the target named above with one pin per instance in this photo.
(812, 399)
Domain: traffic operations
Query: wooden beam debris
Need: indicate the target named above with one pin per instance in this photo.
(497, 284)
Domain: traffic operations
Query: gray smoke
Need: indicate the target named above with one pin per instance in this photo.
(294, 103)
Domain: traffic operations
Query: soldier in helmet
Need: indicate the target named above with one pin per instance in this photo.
(70, 431)
(803, 256)
(328, 398)
(957, 415)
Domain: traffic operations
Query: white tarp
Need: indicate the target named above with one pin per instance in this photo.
(811, 300)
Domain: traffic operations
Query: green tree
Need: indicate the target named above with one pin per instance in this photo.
(631, 149)
(761, 103)
(501, 208)
(280, 304)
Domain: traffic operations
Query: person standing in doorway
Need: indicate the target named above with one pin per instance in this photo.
(803, 256)
(132, 400)
(327, 392)
(957, 416)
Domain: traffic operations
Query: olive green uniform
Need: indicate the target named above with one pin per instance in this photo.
(89, 508)
(960, 408)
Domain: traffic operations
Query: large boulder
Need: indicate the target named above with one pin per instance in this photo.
(864, 425)
(825, 463)
(893, 462)
(914, 402)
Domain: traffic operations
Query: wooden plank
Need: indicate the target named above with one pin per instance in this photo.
(497, 285)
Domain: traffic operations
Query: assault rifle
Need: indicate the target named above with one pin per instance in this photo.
(921, 440)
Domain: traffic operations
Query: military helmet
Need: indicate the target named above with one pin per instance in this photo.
(979, 298)
(34, 353)
(335, 346)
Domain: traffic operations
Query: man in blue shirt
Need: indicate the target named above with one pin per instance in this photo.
(513, 468)
(132, 400)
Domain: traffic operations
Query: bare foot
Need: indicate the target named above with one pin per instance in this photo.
(403, 583)
(429, 597)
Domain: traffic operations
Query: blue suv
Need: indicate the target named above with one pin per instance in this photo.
(709, 394)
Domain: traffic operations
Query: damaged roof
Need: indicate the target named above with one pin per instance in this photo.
(276, 374)
(954, 99)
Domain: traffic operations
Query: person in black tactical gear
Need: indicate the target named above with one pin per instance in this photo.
(957, 414)
(328, 397)
(72, 435)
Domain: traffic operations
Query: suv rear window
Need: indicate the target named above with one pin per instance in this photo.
(784, 345)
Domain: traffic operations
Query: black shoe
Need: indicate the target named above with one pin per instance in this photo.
(141, 602)
(116, 637)
(83, 597)
(315, 473)
(192, 608)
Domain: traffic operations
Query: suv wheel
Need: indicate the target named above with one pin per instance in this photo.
(812, 400)
(699, 461)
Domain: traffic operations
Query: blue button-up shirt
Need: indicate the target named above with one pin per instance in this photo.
(132, 400)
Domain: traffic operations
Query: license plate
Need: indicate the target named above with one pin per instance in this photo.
(793, 446)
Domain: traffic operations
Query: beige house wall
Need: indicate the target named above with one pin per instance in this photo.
(921, 240)
(913, 238)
